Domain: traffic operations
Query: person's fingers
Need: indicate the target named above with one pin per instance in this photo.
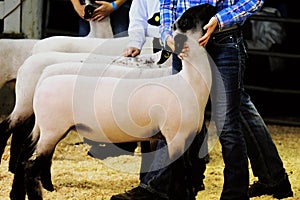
(209, 27)
(98, 18)
(100, 2)
(135, 53)
(185, 48)
(203, 40)
(170, 43)
(127, 52)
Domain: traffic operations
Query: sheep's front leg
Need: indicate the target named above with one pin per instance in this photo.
(18, 191)
(18, 139)
(178, 144)
(37, 171)
(46, 174)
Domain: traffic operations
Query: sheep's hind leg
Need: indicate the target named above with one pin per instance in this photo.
(18, 191)
(18, 138)
(4, 135)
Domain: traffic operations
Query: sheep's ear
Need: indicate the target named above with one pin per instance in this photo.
(179, 40)
(186, 22)
(155, 19)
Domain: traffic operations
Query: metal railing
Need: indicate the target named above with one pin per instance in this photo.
(273, 90)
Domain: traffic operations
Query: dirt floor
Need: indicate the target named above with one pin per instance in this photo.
(79, 176)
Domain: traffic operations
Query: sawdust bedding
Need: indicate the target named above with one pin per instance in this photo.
(77, 176)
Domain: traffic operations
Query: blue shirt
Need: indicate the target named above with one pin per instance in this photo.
(229, 12)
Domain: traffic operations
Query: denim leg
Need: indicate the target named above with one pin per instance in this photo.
(176, 64)
(119, 20)
(158, 178)
(195, 164)
(227, 51)
(264, 158)
(84, 28)
(163, 176)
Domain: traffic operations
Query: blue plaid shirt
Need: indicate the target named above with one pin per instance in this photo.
(229, 12)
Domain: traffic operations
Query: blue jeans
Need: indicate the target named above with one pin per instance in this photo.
(228, 52)
(84, 28)
(119, 20)
(242, 119)
(264, 158)
(160, 178)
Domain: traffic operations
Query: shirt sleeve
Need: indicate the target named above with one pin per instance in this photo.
(167, 16)
(138, 17)
(238, 12)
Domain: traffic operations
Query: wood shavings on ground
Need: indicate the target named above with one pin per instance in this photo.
(77, 176)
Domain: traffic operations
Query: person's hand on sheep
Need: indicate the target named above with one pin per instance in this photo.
(170, 43)
(131, 52)
(104, 10)
(184, 52)
(210, 27)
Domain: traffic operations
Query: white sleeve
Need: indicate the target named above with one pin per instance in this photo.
(138, 16)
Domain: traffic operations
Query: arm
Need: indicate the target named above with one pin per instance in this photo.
(238, 12)
(227, 17)
(138, 16)
(167, 16)
(78, 8)
(105, 9)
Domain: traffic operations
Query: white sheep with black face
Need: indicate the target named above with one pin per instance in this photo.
(107, 109)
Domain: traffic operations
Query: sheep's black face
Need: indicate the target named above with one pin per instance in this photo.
(179, 41)
(194, 17)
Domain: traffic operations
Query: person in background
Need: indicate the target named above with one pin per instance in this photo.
(119, 17)
(139, 28)
(141, 13)
(117, 10)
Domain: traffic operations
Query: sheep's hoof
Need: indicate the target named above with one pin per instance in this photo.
(48, 185)
(17, 195)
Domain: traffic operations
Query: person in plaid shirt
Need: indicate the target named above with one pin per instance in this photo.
(225, 43)
(243, 126)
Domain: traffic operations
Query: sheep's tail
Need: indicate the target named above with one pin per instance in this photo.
(18, 190)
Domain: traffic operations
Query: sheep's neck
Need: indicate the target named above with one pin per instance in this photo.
(100, 29)
(196, 68)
